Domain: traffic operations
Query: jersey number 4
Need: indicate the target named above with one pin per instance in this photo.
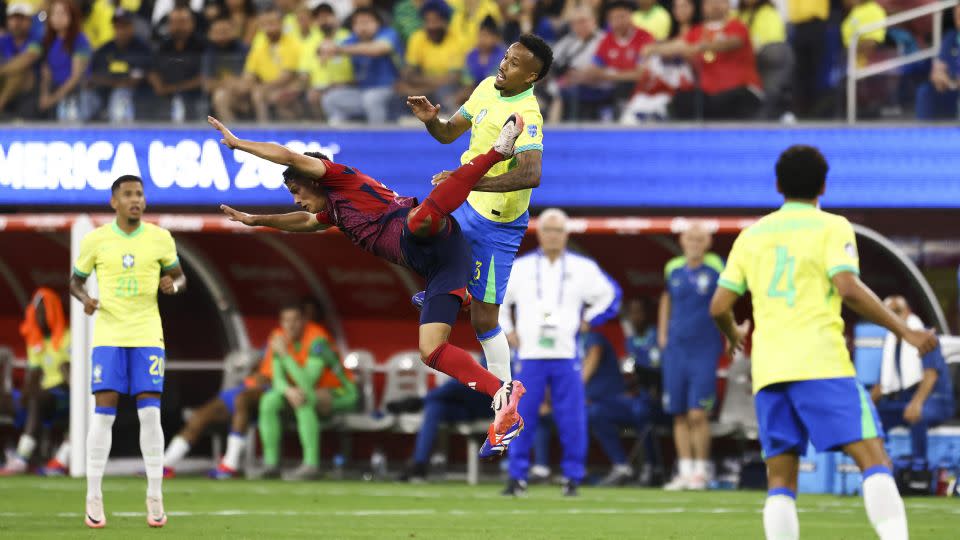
(782, 286)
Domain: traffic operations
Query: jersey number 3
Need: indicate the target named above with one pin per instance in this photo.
(782, 286)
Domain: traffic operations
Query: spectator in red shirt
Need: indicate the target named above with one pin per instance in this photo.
(721, 53)
(619, 52)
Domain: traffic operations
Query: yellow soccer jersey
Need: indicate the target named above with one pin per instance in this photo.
(49, 359)
(787, 260)
(128, 274)
(487, 110)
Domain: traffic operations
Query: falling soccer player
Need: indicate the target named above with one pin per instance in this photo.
(424, 238)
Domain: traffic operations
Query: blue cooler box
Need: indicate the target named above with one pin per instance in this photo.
(817, 470)
(868, 352)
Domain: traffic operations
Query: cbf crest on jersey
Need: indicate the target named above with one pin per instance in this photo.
(703, 283)
(481, 115)
(98, 374)
(532, 130)
(127, 261)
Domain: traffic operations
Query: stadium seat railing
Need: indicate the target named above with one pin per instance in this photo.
(856, 73)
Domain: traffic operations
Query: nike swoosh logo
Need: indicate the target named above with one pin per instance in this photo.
(157, 381)
(93, 520)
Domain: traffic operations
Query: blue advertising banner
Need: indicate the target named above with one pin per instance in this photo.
(880, 167)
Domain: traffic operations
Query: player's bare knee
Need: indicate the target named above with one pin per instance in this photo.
(483, 316)
(106, 399)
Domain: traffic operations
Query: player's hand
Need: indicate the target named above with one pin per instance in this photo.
(440, 177)
(423, 109)
(513, 340)
(167, 286)
(924, 340)
(739, 336)
(295, 396)
(876, 393)
(279, 344)
(913, 411)
(236, 215)
(229, 139)
(662, 341)
(90, 305)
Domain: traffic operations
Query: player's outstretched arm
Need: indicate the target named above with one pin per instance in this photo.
(273, 152)
(445, 131)
(862, 300)
(290, 222)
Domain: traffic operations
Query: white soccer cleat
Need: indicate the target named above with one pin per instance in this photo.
(509, 134)
(156, 517)
(679, 483)
(94, 517)
(697, 482)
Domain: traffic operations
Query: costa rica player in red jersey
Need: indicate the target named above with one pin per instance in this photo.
(424, 238)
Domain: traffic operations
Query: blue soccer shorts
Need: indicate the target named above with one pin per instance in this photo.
(830, 413)
(493, 247)
(689, 377)
(128, 370)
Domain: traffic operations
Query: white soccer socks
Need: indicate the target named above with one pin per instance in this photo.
(25, 447)
(236, 442)
(178, 449)
(497, 352)
(151, 443)
(780, 520)
(99, 440)
(884, 505)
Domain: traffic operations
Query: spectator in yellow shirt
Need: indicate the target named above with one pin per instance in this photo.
(468, 15)
(863, 13)
(653, 18)
(435, 58)
(268, 71)
(775, 62)
(97, 21)
(808, 22)
(317, 73)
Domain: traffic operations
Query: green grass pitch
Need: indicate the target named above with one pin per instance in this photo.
(198, 508)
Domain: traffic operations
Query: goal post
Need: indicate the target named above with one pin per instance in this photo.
(81, 331)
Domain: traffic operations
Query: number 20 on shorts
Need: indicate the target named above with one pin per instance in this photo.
(156, 365)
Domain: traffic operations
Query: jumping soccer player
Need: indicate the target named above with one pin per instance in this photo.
(495, 218)
(425, 238)
(801, 264)
(133, 260)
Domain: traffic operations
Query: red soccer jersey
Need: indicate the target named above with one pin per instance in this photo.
(724, 71)
(622, 55)
(357, 205)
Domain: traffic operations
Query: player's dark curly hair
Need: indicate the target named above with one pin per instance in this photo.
(801, 172)
(124, 179)
(291, 174)
(541, 51)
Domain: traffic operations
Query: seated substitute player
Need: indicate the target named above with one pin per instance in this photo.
(424, 238)
(308, 375)
(133, 261)
(801, 264)
(46, 391)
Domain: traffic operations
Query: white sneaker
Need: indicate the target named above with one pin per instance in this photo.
(156, 517)
(539, 473)
(679, 483)
(94, 517)
(697, 482)
(509, 134)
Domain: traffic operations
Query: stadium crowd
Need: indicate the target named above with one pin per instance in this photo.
(337, 61)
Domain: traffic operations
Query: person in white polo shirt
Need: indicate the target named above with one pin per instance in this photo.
(552, 296)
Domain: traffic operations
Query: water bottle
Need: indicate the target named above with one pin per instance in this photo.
(338, 464)
(67, 109)
(178, 109)
(378, 464)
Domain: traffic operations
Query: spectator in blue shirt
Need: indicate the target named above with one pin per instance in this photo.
(18, 84)
(66, 56)
(119, 69)
(484, 60)
(923, 405)
(374, 50)
(937, 99)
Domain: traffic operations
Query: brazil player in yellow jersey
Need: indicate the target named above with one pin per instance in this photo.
(801, 264)
(134, 260)
(495, 217)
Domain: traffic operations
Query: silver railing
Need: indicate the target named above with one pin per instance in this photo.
(855, 73)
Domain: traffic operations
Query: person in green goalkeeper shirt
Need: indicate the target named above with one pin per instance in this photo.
(308, 376)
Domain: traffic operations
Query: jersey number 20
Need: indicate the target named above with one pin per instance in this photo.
(156, 365)
(782, 286)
